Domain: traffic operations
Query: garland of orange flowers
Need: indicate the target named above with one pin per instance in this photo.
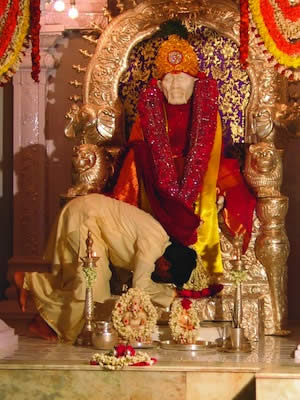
(286, 53)
(14, 29)
(268, 15)
(290, 12)
(18, 18)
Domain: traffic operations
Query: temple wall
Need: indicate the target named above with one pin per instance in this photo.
(42, 169)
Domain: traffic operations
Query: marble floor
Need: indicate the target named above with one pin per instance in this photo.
(60, 371)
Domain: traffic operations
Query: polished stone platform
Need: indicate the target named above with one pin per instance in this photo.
(39, 370)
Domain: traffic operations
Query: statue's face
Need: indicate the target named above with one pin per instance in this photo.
(177, 88)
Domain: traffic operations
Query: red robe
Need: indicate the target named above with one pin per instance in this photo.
(138, 182)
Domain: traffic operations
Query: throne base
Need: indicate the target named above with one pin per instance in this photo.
(220, 308)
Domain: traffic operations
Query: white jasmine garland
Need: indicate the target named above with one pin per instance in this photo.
(179, 332)
(238, 276)
(90, 275)
(111, 362)
(142, 333)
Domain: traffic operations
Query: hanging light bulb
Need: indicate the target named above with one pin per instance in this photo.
(59, 5)
(73, 12)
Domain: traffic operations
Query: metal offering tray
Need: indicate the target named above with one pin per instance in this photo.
(141, 345)
(200, 345)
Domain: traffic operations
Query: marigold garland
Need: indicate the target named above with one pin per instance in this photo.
(286, 53)
(290, 12)
(290, 30)
(17, 18)
(35, 15)
(9, 24)
(268, 14)
(244, 33)
(13, 37)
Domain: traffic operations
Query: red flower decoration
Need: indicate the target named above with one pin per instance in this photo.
(186, 303)
(130, 351)
(122, 350)
(144, 363)
(216, 288)
(244, 33)
(205, 292)
(35, 15)
(184, 293)
(198, 294)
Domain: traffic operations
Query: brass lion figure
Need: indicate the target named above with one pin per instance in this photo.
(263, 126)
(263, 169)
(91, 123)
(92, 167)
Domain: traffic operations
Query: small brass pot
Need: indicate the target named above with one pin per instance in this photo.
(104, 336)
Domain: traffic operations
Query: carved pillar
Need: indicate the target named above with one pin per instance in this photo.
(272, 250)
(30, 160)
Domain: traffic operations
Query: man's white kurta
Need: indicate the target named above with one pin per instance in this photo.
(121, 233)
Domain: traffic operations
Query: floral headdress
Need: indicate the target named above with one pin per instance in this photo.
(175, 54)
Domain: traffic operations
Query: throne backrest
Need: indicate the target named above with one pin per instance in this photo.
(218, 57)
(109, 67)
(215, 28)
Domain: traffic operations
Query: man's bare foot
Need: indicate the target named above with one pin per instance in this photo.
(22, 293)
(39, 327)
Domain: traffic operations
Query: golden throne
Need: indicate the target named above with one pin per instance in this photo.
(111, 85)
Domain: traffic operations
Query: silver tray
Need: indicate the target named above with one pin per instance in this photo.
(215, 323)
(199, 345)
(141, 345)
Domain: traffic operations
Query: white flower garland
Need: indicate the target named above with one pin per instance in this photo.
(110, 361)
(180, 333)
(90, 275)
(238, 276)
(142, 333)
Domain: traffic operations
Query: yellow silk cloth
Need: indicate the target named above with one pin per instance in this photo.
(208, 240)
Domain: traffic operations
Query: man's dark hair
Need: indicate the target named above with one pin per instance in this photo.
(183, 261)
